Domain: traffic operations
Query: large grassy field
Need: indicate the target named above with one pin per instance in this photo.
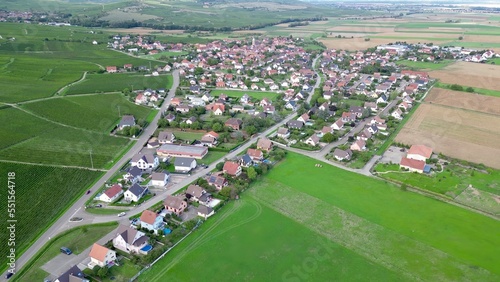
(425, 65)
(95, 83)
(238, 94)
(326, 222)
(482, 91)
(42, 194)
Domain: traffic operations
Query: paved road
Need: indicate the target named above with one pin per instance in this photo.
(62, 222)
(318, 79)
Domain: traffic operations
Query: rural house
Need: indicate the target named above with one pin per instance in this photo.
(166, 137)
(419, 152)
(151, 221)
(112, 194)
(342, 154)
(205, 211)
(159, 179)
(135, 193)
(184, 165)
(234, 123)
(130, 240)
(412, 165)
(232, 168)
(101, 256)
(74, 274)
(175, 204)
(195, 192)
(218, 181)
(126, 121)
(145, 161)
(264, 144)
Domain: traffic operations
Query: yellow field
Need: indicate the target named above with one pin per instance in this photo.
(470, 74)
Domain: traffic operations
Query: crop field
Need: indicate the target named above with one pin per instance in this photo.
(459, 133)
(292, 230)
(238, 94)
(464, 100)
(425, 65)
(42, 194)
(114, 82)
(482, 91)
(46, 142)
(471, 74)
(74, 110)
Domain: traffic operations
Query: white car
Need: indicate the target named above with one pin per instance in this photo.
(121, 214)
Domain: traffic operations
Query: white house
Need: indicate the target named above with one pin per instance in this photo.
(419, 152)
(111, 194)
(205, 211)
(194, 192)
(101, 256)
(159, 179)
(129, 240)
(166, 137)
(184, 164)
(145, 161)
(135, 193)
(313, 140)
(151, 221)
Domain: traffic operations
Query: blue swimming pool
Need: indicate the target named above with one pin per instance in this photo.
(147, 248)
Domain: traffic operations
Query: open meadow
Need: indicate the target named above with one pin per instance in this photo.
(115, 82)
(291, 230)
(42, 194)
(238, 94)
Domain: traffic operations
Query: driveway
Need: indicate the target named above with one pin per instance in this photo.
(392, 155)
(190, 214)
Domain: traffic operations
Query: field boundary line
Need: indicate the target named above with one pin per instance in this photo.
(54, 165)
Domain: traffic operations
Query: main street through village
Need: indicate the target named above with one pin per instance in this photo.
(78, 208)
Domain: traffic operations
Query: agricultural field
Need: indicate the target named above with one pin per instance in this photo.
(487, 92)
(455, 132)
(55, 189)
(484, 76)
(238, 94)
(106, 111)
(425, 65)
(115, 82)
(292, 230)
(464, 100)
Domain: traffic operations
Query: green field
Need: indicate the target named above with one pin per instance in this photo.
(115, 82)
(482, 91)
(164, 54)
(291, 230)
(77, 240)
(254, 94)
(98, 113)
(42, 194)
(425, 65)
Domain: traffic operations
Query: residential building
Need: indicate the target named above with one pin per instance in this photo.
(111, 194)
(264, 144)
(126, 121)
(419, 152)
(130, 240)
(184, 164)
(232, 168)
(151, 221)
(101, 256)
(342, 154)
(175, 204)
(74, 274)
(166, 137)
(194, 192)
(145, 161)
(412, 165)
(135, 193)
(159, 179)
(255, 154)
(218, 181)
(283, 132)
(234, 123)
(313, 140)
(358, 145)
(205, 211)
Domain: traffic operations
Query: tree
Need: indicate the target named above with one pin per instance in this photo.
(96, 269)
(226, 191)
(134, 130)
(460, 38)
(469, 89)
(456, 87)
(328, 137)
(217, 127)
(252, 174)
(219, 166)
(251, 130)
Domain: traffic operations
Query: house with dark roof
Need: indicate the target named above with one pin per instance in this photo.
(234, 123)
(205, 211)
(151, 221)
(283, 132)
(166, 137)
(159, 179)
(245, 160)
(194, 192)
(130, 240)
(184, 164)
(175, 204)
(218, 181)
(145, 161)
(295, 124)
(135, 193)
(133, 175)
(74, 274)
(126, 121)
(111, 194)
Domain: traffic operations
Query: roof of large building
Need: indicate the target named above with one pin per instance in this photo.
(416, 164)
(182, 149)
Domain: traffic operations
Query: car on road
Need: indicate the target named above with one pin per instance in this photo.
(88, 192)
(134, 221)
(65, 250)
(98, 206)
(121, 214)
(9, 275)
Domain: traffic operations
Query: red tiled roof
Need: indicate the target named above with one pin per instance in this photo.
(415, 164)
(421, 150)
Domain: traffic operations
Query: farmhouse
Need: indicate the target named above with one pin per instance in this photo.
(145, 161)
(126, 121)
(129, 239)
(264, 144)
(101, 256)
(135, 193)
(184, 164)
(111, 194)
(151, 221)
(175, 204)
(232, 168)
(419, 152)
(412, 165)
(111, 69)
(170, 150)
(166, 137)
(159, 179)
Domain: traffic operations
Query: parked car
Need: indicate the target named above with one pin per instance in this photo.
(98, 206)
(8, 275)
(121, 214)
(65, 250)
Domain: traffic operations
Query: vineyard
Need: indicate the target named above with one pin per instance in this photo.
(93, 112)
(96, 83)
(42, 194)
